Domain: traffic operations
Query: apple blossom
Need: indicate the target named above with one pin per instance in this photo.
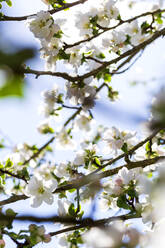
(40, 191)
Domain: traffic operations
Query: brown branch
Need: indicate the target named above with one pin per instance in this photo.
(132, 165)
(77, 112)
(130, 152)
(3, 171)
(66, 219)
(12, 199)
(69, 107)
(90, 223)
(35, 155)
(90, 178)
(73, 116)
(135, 49)
(53, 11)
(129, 58)
(121, 22)
(50, 73)
(130, 52)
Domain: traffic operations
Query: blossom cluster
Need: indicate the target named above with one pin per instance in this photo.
(108, 169)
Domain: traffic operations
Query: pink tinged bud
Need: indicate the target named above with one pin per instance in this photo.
(133, 235)
(2, 243)
(117, 190)
(47, 238)
(46, 2)
(119, 182)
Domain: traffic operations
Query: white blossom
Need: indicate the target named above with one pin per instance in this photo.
(63, 206)
(45, 127)
(40, 191)
(64, 140)
(62, 170)
(83, 122)
(42, 25)
(115, 139)
(106, 238)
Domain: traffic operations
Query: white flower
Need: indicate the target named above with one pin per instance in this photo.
(138, 38)
(127, 175)
(83, 122)
(44, 172)
(116, 41)
(111, 10)
(75, 55)
(50, 50)
(140, 154)
(45, 127)
(62, 242)
(61, 170)
(80, 158)
(64, 141)
(132, 28)
(40, 191)
(104, 238)
(46, 109)
(81, 95)
(63, 206)
(50, 96)
(147, 213)
(83, 24)
(42, 25)
(81, 155)
(115, 139)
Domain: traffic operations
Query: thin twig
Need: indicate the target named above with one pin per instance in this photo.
(90, 178)
(94, 72)
(53, 11)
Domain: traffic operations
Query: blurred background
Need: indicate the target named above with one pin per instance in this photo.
(19, 115)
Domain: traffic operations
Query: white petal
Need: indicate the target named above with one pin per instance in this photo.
(35, 202)
(48, 198)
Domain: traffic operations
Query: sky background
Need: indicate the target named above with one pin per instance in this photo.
(19, 117)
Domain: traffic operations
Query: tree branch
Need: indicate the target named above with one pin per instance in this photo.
(90, 178)
(91, 223)
(86, 222)
(12, 174)
(53, 11)
(78, 78)
(35, 155)
(121, 22)
(135, 49)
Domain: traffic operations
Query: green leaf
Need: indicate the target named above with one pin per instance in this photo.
(72, 210)
(13, 87)
(12, 65)
(10, 212)
(107, 78)
(9, 163)
(9, 3)
(122, 202)
(125, 148)
(101, 56)
(97, 161)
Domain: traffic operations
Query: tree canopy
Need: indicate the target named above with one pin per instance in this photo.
(114, 178)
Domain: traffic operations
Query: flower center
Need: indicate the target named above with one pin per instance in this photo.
(41, 190)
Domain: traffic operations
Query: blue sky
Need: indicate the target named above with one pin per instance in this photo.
(19, 117)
